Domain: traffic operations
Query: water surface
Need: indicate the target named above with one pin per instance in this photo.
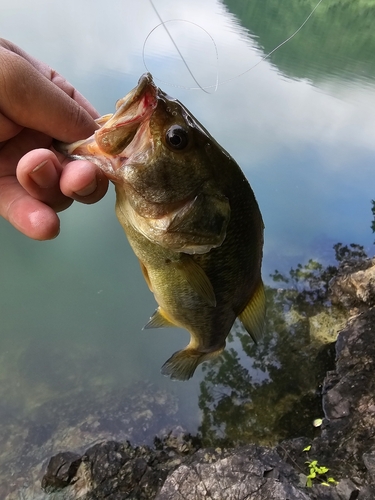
(301, 125)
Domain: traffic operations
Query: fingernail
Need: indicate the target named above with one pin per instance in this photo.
(44, 174)
(88, 189)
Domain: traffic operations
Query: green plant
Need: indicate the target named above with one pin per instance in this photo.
(318, 472)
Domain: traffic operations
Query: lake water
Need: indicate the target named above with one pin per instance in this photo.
(301, 124)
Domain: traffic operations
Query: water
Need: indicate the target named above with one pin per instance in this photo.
(301, 125)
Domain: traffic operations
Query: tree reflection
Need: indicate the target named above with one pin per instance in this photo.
(270, 391)
(344, 27)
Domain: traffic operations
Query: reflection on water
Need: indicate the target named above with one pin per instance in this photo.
(271, 391)
(346, 28)
(72, 309)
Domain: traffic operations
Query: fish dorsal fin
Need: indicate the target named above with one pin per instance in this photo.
(158, 320)
(197, 279)
(252, 317)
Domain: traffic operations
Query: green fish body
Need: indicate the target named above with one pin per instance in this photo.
(190, 216)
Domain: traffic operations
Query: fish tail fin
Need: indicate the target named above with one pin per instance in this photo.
(182, 364)
(253, 316)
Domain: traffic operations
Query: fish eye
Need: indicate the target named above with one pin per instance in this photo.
(177, 137)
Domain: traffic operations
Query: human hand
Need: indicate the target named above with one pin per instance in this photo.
(37, 105)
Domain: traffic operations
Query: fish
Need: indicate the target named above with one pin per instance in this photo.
(191, 218)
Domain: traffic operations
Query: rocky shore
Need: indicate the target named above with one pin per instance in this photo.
(176, 468)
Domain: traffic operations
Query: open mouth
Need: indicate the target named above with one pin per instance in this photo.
(124, 129)
(131, 111)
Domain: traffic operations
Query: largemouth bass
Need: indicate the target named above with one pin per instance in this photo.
(190, 216)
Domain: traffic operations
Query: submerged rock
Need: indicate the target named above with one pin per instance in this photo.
(71, 422)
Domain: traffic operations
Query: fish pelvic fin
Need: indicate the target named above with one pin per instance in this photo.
(253, 316)
(182, 364)
(159, 320)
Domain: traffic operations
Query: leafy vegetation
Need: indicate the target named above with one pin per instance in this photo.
(318, 472)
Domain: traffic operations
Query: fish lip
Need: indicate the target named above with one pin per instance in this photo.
(145, 91)
(129, 120)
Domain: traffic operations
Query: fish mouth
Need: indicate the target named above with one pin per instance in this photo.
(122, 134)
(131, 111)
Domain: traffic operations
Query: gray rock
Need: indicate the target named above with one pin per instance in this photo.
(367, 493)
(369, 461)
(347, 490)
(61, 470)
(354, 284)
(251, 472)
(348, 400)
(112, 470)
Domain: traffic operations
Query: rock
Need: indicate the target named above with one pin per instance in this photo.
(61, 470)
(112, 470)
(349, 400)
(251, 472)
(115, 471)
(367, 493)
(347, 490)
(369, 461)
(354, 284)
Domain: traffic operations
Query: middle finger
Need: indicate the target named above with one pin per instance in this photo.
(39, 173)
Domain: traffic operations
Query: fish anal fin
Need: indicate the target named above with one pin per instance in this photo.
(197, 279)
(253, 316)
(159, 320)
(182, 364)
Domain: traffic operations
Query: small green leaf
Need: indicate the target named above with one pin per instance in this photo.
(322, 470)
(324, 484)
(309, 482)
(331, 480)
(308, 448)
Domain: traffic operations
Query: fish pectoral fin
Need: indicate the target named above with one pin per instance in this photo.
(195, 227)
(158, 320)
(253, 316)
(145, 275)
(182, 365)
(197, 278)
(200, 225)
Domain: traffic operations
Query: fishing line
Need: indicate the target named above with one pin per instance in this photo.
(217, 84)
(164, 24)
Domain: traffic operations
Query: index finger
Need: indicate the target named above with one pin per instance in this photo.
(53, 76)
(30, 99)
